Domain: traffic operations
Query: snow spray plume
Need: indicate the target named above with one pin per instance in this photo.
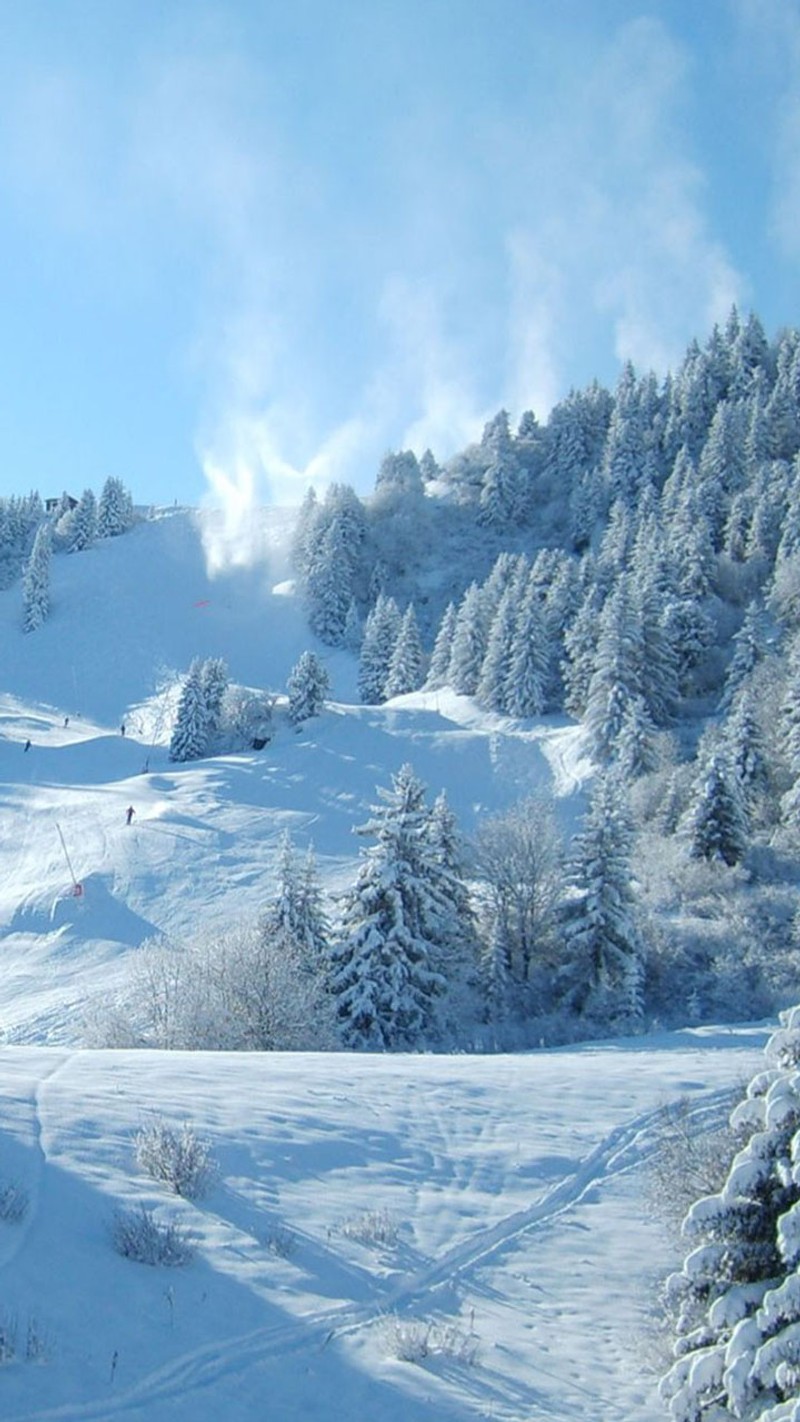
(252, 473)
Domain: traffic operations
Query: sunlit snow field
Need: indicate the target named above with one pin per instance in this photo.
(515, 1187)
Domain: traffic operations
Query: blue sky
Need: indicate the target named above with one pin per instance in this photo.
(249, 246)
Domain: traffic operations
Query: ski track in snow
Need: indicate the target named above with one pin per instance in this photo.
(33, 1185)
(625, 1148)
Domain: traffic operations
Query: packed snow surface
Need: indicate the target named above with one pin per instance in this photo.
(490, 1213)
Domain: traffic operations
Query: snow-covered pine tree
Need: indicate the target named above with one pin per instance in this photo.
(469, 643)
(307, 686)
(406, 666)
(83, 523)
(353, 628)
(736, 1302)
(115, 509)
(718, 823)
(36, 581)
(491, 690)
(602, 970)
(329, 586)
(304, 532)
(625, 449)
(190, 734)
(689, 631)
(282, 913)
(616, 678)
(580, 651)
(636, 743)
(501, 498)
(790, 722)
(442, 650)
(380, 635)
(658, 662)
(745, 750)
(294, 914)
(529, 661)
(214, 684)
(383, 977)
(312, 926)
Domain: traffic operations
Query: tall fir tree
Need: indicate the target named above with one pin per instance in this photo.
(492, 688)
(380, 636)
(307, 686)
(83, 523)
(36, 581)
(114, 510)
(469, 643)
(442, 650)
(529, 661)
(406, 665)
(718, 823)
(383, 978)
(190, 734)
(602, 972)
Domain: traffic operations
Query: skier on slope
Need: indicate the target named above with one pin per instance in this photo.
(129, 814)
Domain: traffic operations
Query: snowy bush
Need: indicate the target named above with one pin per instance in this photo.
(176, 1156)
(246, 717)
(375, 1228)
(692, 1156)
(138, 1235)
(415, 1340)
(242, 989)
(14, 1201)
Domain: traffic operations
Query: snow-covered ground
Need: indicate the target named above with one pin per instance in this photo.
(517, 1186)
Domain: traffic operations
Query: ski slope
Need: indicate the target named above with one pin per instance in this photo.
(128, 616)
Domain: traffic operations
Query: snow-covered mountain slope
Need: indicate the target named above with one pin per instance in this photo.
(127, 615)
(515, 1188)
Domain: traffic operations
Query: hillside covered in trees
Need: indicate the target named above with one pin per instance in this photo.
(633, 563)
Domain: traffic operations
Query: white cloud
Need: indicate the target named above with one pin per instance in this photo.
(770, 37)
(616, 219)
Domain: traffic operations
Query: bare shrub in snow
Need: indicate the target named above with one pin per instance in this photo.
(14, 1201)
(177, 1157)
(280, 1241)
(28, 1343)
(415, 1340)
(238, 989)
(8, 1336)
(138, 1235)
(518, 856)
(376, 1228)
(692, 1156)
